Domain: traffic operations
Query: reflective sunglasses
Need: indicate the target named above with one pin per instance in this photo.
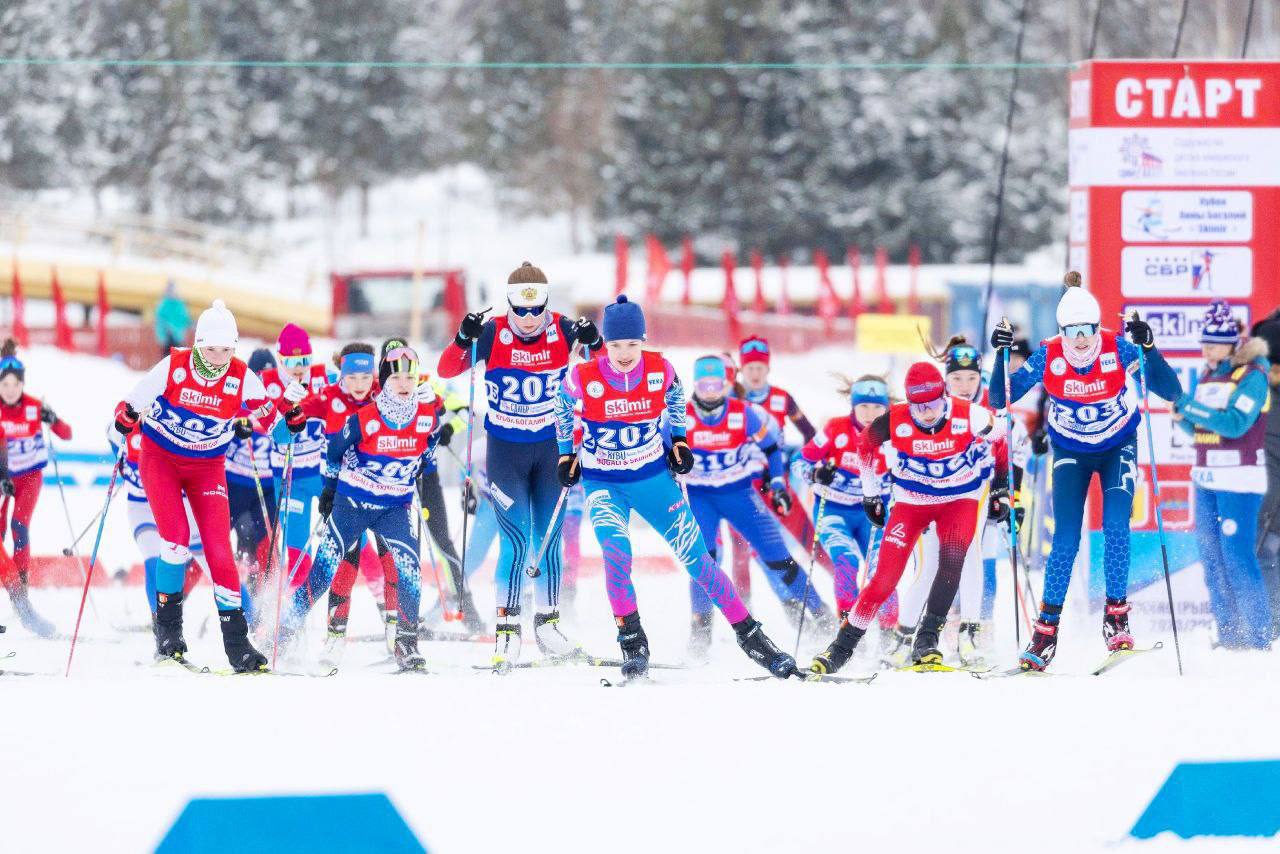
(291, 362)
(528, 310)
(403, 360)
(1072, 330)
(964, 355)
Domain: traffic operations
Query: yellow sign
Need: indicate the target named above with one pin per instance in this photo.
(891, 333)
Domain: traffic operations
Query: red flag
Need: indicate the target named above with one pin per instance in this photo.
(62, 329)
(19, 310)
(658, 266)
(686, 267)
(620, 252)
(784, 297)
(913, 293)
(828, 302)
(103, 309)
(883, 303)
(731, 297)
(856, 305)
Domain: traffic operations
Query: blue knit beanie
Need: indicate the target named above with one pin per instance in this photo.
(261, 359)
(623, 321)
(1220, 327)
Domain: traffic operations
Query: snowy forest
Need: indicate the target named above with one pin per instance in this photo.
(769, 157)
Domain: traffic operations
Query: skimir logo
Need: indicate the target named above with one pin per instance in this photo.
(614, 408)
(933, 446)
(1078, 387)
(390, 443)
(526, 357)
(195, 397)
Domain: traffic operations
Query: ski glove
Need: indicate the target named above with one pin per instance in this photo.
(1140, 332)
(6, 486)
(295, 420)
(824, 472)
(1040, 442)
(47, 415)
(446, 434)
(874, 508)
(679, 457)
(568, 470)
(295, 392)
(242, 428)
(779, 497)
(325, 504)
(585, 332)
(126, 418)
(998, 505)
(1002, 336)
(471, 328)
(470, 502)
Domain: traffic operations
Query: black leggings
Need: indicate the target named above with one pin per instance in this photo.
(431, 494)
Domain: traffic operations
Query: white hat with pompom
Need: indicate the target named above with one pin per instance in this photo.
(216, 327)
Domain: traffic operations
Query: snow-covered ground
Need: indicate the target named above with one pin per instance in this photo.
(546, 759)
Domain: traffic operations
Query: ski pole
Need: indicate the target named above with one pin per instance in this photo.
(1013, 511)
(534, 569)
(66, 510)
(67, 552)
(93, 556)
(435, 570)
(257, 482)
(471, 433)
(1155, 485)
(281, 526)
(813, 557)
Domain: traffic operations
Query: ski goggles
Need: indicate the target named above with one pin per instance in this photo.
(963, 357)
(11, 363)
(402, 360)
(527, 310)
(1072, 330)
(294, 362)
(869, 391)
(755, 345)
(357, 363)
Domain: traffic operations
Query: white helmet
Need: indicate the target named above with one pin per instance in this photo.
(216, 327)
(1078, 306)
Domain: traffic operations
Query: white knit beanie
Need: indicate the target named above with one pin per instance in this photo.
(1078, 306)
(216, 327)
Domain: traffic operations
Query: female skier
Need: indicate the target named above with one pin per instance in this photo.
(726, 436)
(377, 454)
(1223, 416)
(22, 422)
(625, 395)
(830, 462)
(935, 449)
(190, 399)
(526, 352)
(1092, 420)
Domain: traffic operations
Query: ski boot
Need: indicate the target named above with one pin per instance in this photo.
(1043, 646)
(31, 621)
(971, 642)
(552, 642)
(700, 637)
(756, 644)
(895, 646)
(235, 641)
(1115, 625)
(335, 643)
(635, 646)
(837, 655)
(924, 649)
(471, 620)
(406, 651)
(168, 627)
(506, 648)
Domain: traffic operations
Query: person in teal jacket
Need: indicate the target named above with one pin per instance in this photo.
(1223, 415)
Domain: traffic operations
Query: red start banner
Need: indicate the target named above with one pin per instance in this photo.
(1174, 172)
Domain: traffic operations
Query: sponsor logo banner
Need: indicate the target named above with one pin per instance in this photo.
(1202, 216)
(1186, 271)
(1177, 327)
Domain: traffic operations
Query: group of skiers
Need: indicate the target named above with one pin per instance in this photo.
(586, 421)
